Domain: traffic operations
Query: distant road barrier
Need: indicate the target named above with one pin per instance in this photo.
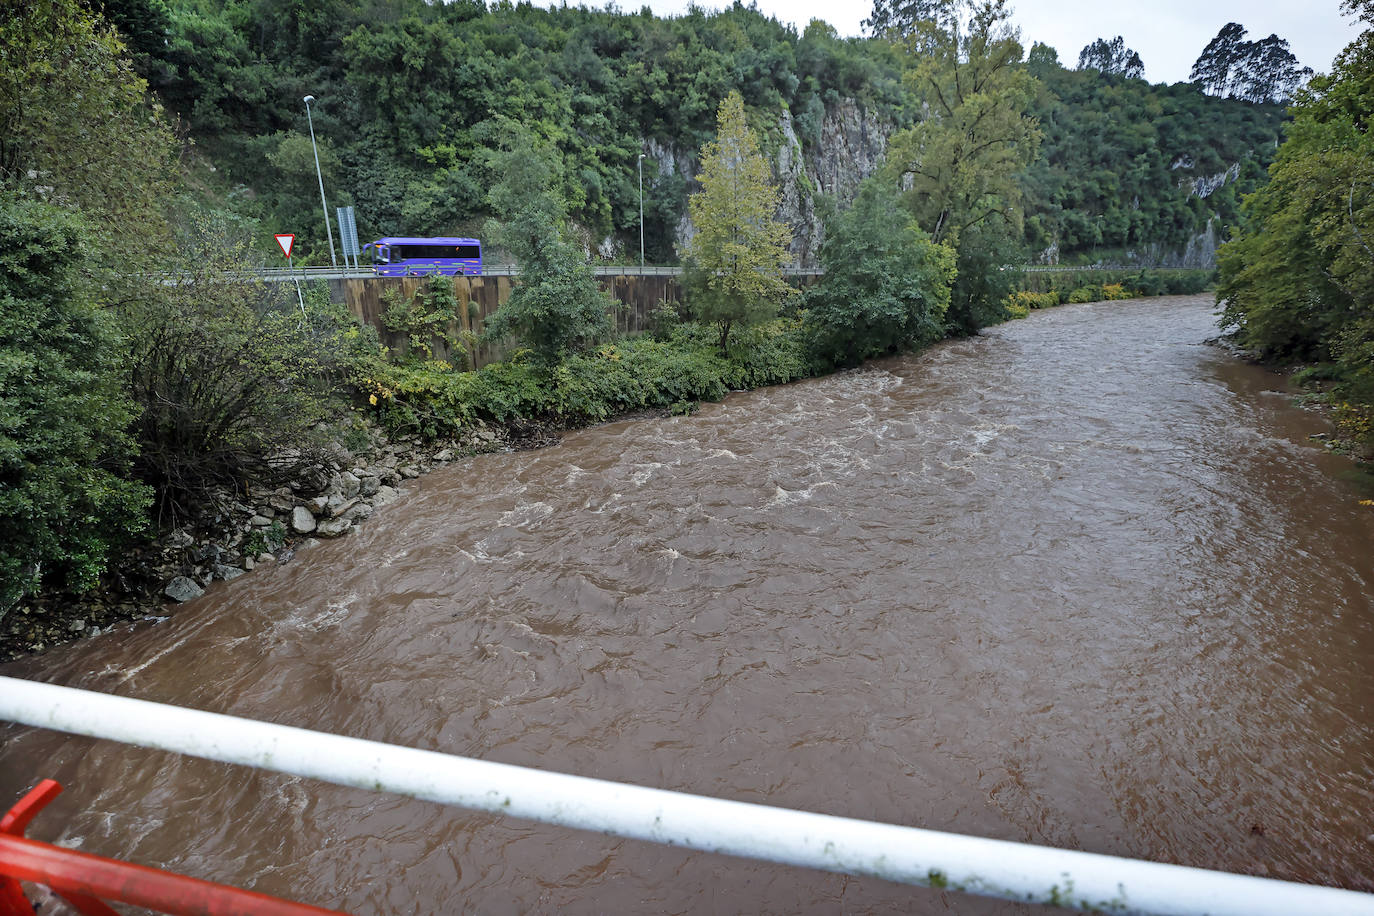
(277, 274)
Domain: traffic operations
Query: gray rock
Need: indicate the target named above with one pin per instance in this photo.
(348, 484)
(333, 527)
(317, 504)
(180, 538)
(260, 521)
(76, 626)
(357, 512)
(183, 589)
(266, 558)
(249, 563)
(368, 485)
(410, 471)
(267, 512)
(485, 435)
(444, 455)
(314, 479)
(384, 496)
(227, 573)
(346, 507)
(282, 503)
(302, 520)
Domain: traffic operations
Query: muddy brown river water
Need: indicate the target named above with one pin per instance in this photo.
(1080, 581)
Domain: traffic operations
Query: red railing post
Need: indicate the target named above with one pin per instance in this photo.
(85, 881)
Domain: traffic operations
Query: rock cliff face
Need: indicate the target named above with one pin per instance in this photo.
(851, 146)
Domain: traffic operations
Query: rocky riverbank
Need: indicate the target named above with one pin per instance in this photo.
(234, 533)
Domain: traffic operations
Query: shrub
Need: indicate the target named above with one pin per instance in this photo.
(886, 286)
(231, 372)
(65, 499)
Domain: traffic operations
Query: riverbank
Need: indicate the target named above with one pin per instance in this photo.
(433, 424)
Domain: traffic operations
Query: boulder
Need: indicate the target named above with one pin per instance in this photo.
(368, 485)
(302, 520)
(357, 512)
(183, 589)
(227, 573)
(333, 527)
(349, 484)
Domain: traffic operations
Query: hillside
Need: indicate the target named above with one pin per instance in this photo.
(411, 99)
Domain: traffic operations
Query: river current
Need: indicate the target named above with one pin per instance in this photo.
(1082, 580)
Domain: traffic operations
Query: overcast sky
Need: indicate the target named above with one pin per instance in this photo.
(1168, 34)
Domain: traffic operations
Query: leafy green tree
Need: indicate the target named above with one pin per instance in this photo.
(1271, 72)
(556, 306)
(739, 243)
(1216, 67)
(1111, 57)
(901, 18)
(1298, 279)
(960, 164)
(1256, 71)
(886, 286)
(65, 500)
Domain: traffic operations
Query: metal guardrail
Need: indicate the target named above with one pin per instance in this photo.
(278, 274)
(281, 274)
(992, 868)
(1055, 268)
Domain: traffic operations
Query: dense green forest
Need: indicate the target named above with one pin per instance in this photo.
(142, 136)
(412, 98)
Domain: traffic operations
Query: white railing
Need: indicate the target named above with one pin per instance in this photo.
(994, 868)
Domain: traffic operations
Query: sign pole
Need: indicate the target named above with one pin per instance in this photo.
(286, 241)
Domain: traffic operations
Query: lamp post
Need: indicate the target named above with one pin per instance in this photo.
(323, 206)
(641, 211)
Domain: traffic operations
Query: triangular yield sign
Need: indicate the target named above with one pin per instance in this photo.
(286, 241)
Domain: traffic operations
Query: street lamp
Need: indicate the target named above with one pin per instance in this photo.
(641, 211)
(323, 206)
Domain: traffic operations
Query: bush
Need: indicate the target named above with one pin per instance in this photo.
(65, 499)
(231, 372)
(638, 374)
(886, 286)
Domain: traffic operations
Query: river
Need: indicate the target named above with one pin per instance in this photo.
(1082, 580)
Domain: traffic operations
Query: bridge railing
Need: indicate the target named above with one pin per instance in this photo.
(911, 855)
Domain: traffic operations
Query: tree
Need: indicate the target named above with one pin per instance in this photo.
(886, 286)
(901, 18)
(1111, 57)
(1217, 65)
(556, 305)
(960, 164)
(1256, 71)
(739, 244)
(1269, 72)
(1298, 279)
(65, 499)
